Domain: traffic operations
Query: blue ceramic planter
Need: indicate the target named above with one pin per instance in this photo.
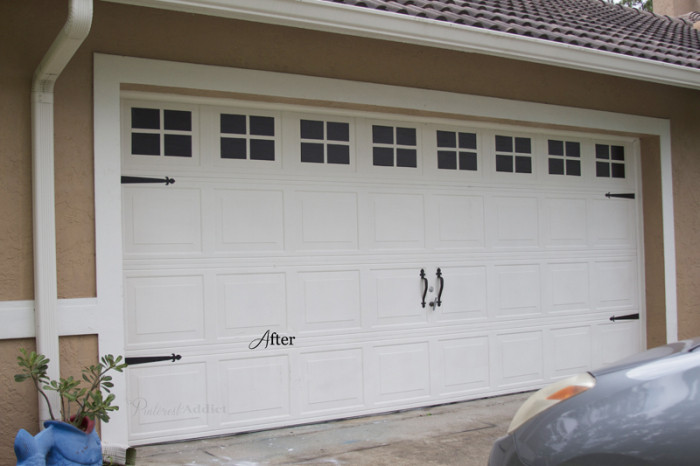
(59, 444)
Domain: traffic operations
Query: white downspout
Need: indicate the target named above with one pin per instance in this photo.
(57, 57)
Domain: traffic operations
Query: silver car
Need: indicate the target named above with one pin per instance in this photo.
(643, 410)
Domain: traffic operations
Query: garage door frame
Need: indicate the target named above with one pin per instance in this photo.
(113, 74)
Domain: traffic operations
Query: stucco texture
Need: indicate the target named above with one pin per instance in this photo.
(27, 29)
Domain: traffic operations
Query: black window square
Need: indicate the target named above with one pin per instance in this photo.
(447, 160)
(446, 139)
(145, 144)
(617, 152)
(179, 120)
(338, 131)
(262, 149)
(233, 124)
(311, 129)
(311, 152)
(573, 167)
(602, 169)
(522, 145)
(467, 161)
(573, 149)
(406, 158)
(234, 148)
(556, 166)
(406, 136)
(262, 126)
(338, 153)
(383, 156)
(504, 163)
(382, 134)
(145, 118)
(602, 151)
(504, 144)
(467, 141)
(176, 145)
(617, 170)
(555, 147)
(523, 164)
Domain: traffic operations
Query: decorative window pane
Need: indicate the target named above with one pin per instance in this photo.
(254, 137)
(610, 161)
(513, 154)
(564, 157)
(452, 154)
(315, 142)
(161, 132)
(178, 120)
(394, 146)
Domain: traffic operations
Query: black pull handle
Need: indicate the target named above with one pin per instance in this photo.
(424, 282)
(627, 317)
(146, 359)
(442, 287)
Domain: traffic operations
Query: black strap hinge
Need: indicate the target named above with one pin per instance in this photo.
(142, 179)
(146, 359)
(627, 317)
(623, 195)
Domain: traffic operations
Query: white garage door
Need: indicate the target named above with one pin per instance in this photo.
(311, 264)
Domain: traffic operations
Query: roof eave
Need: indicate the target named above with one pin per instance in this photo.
(365, 22)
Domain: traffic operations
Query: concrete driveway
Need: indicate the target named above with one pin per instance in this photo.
(454, 434)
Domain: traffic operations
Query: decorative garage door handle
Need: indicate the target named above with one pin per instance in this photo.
(441, 280)
(146, 359)
(627, 317)
(424, 284)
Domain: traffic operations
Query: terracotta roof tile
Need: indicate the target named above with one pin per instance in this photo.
(585, 23)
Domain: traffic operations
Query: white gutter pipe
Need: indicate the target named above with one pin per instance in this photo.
(57, 57)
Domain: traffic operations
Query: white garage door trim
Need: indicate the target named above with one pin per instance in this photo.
(112, 72)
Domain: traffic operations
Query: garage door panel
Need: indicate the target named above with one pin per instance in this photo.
(164, 399)
(397, 221)
(327, 220)
(615, 284)
(162, 221)
(517, 290)
(464, 364)
(570, 350)
(612, 223)
(402, 372)
(395, 297)
(564, 223)
(330, 300)
(615, 341)
(250, 220)
(456, 221)
(251, 303)
(332, 380)
(464, 294)
(520, 358)
(513, 222)
(165, 309)
(254, 389)
(567, 287)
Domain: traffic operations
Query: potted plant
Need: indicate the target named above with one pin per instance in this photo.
(72, 438)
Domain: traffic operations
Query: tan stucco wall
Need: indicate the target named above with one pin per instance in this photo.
(675, 8)
(28, 27)
(18, 401)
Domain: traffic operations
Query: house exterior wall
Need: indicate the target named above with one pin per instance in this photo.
(29, 28)
(675, 8)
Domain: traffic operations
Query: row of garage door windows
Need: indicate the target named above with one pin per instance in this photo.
(162, 132)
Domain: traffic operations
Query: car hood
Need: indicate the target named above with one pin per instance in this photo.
(655, 354)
